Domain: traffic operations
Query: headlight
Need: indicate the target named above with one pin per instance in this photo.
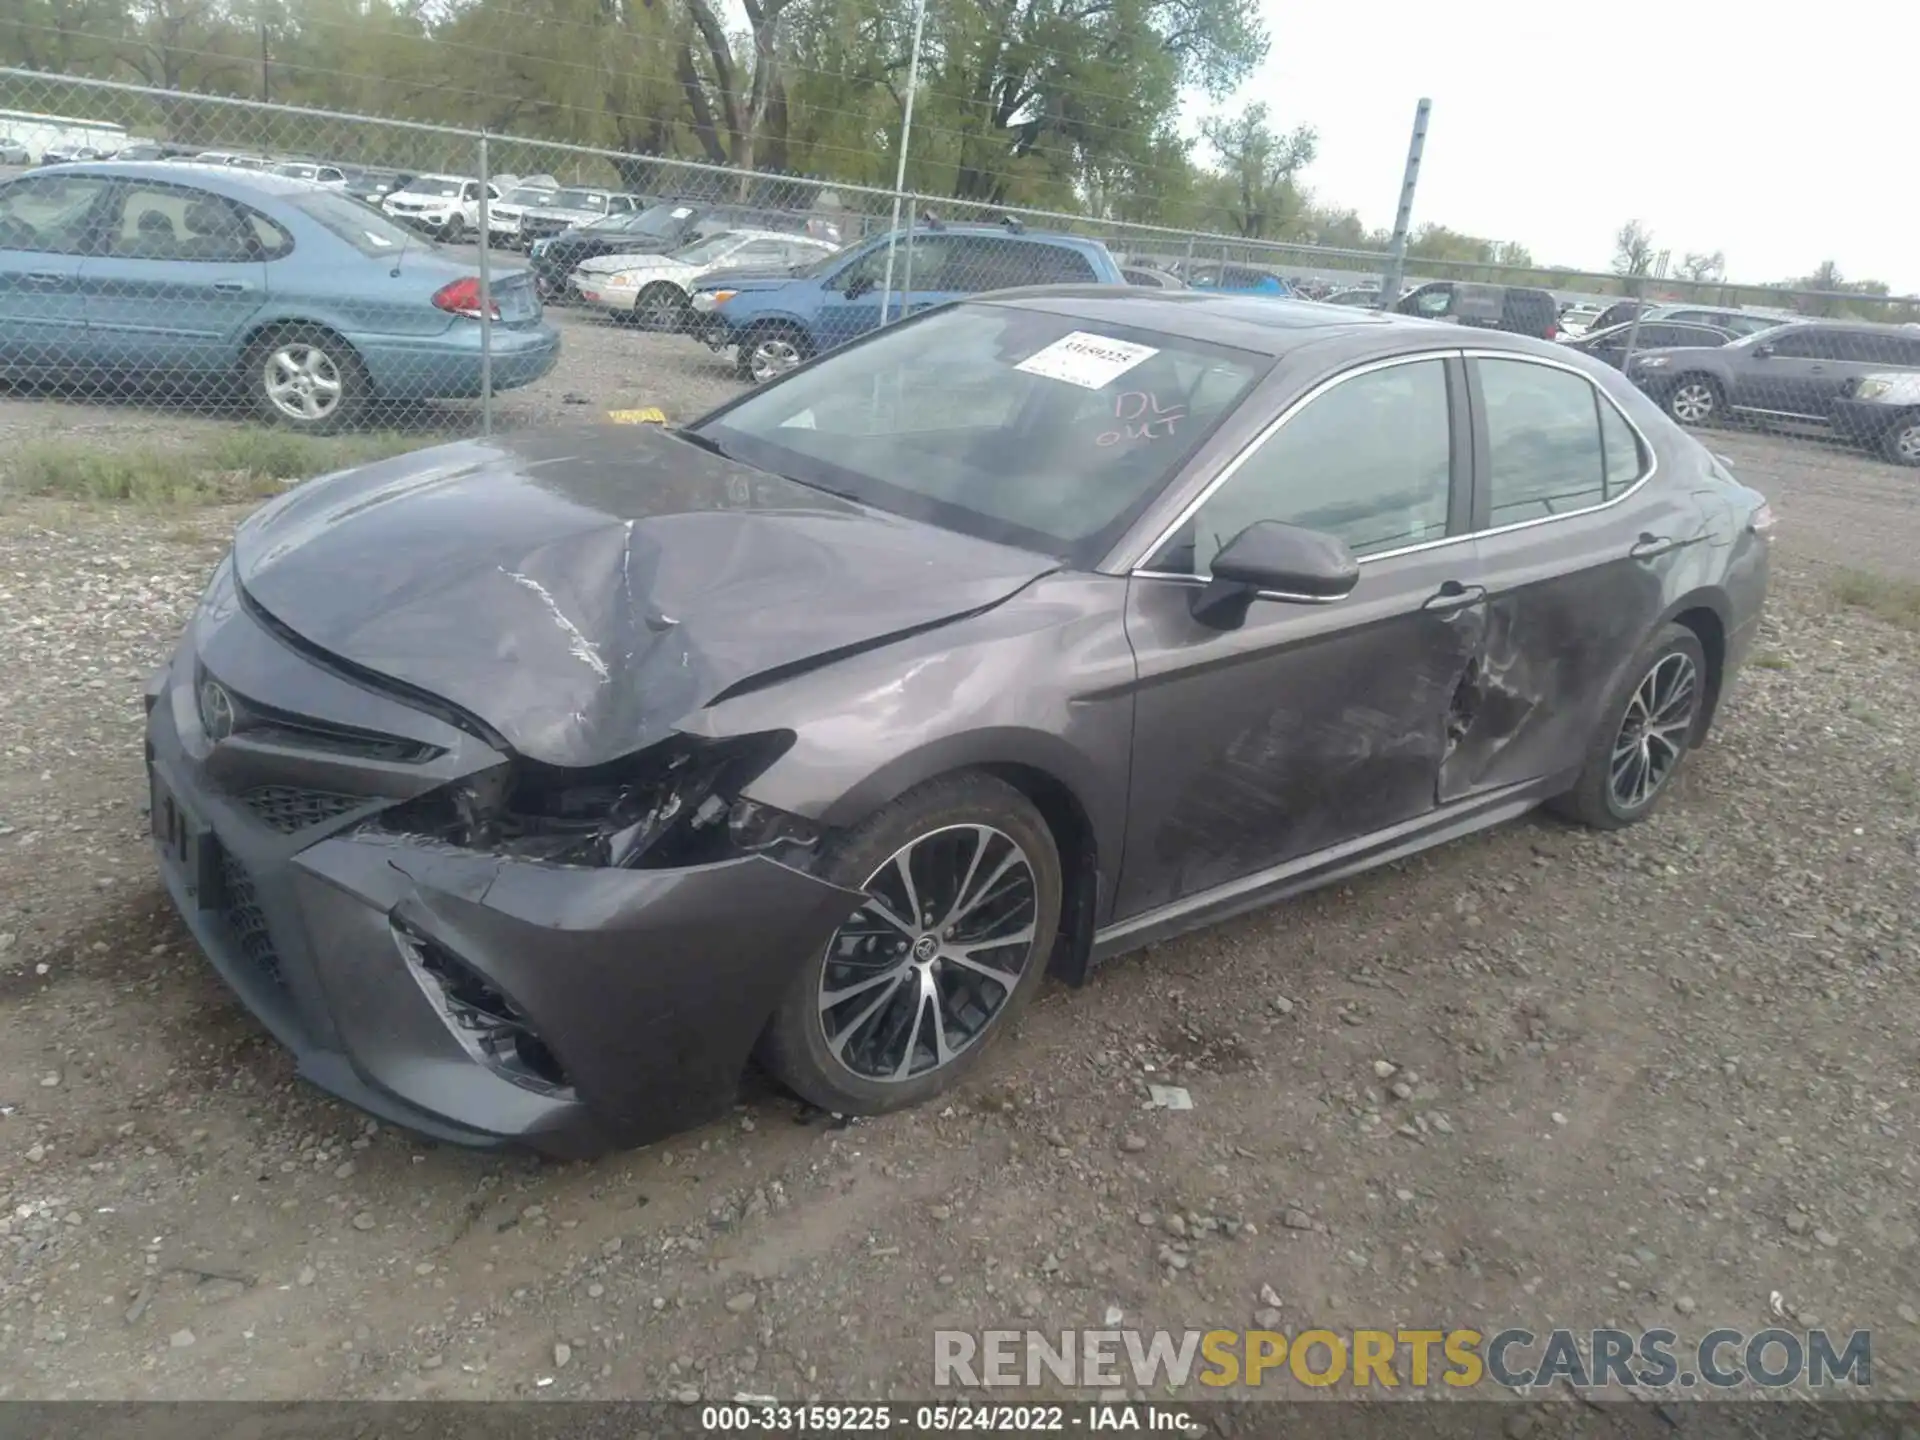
(1652, 362)
(1873, 387)
(720, 297)
(540, 247)
(625, 279)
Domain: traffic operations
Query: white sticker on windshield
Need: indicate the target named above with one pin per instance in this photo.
(682, 212)
(1089, 361)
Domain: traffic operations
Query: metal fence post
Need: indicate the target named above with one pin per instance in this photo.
(1403, 217)
(900, 169)
(486, 299)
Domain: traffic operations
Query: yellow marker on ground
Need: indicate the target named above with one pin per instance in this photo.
(652, 415)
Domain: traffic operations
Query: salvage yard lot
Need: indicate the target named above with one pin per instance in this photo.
(1649, 1079)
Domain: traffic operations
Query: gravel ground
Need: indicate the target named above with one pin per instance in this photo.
(1540, 1076)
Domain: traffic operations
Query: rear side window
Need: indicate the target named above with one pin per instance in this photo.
(1543, 438)
(1625, 461)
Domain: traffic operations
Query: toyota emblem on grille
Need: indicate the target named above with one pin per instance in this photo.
(216, 710)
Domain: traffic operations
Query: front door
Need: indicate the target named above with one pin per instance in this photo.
(1308, 724)
(47, 223)
(1789, 379)
(181, 276)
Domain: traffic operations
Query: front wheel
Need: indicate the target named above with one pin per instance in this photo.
(662, 307)
(1644, 733)
(455, 231)
(771, 351)
(963, 887)
(1901, 443)
(307, 379)
(1695, 400)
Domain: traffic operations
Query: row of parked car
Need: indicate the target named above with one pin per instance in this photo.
(319, 301)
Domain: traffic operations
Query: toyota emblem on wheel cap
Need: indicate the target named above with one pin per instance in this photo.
(216, 710)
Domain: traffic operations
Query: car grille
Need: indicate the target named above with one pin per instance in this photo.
(288, 809)
(246, 921)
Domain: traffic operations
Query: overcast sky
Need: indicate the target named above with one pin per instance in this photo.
(1780, 135)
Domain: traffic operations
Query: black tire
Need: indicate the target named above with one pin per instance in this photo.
(1696, 400)
(1595, 799)
(290, 348)
(1901, 443)
(763, 341)
(662, 307)
(455, 230)
(943, 815)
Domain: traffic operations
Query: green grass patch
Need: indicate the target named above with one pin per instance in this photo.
(1771, 660)
(1895, 601)
(246, 463)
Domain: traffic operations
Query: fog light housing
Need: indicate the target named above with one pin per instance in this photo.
(489, 1026)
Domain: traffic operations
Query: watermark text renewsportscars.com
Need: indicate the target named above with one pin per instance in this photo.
(1163, 1361)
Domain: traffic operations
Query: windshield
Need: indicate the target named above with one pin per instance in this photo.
(529, 195)
(703, 252)
(579, 200)
(444, 189)
(361, 226)
(1019, 426)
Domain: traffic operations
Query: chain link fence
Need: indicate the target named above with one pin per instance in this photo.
(328, 272)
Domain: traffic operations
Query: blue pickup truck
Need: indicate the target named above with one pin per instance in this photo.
(776, 320)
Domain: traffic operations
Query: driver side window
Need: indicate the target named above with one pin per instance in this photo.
(1369, 460)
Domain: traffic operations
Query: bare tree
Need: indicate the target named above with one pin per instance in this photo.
(1633, 254)
(1704, 267)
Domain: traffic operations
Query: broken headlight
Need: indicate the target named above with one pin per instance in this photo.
(672, 805)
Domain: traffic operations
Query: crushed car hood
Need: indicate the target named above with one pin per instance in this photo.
(583, 591)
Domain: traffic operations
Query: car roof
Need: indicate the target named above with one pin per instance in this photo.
(1259, 324)
(225, 178)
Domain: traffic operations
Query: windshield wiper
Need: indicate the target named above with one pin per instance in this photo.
(705, 442)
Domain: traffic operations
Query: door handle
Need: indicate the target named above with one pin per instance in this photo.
(231, 287)
(46, 277)
(1454, 596)
(1652, 547)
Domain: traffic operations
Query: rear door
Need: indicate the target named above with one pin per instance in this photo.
(1580, 547)
(47, 223)
(182, 273)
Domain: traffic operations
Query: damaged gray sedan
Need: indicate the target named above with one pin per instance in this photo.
(531, 789)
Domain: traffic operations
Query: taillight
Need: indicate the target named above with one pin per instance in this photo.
(462, 297)
(1553, 331)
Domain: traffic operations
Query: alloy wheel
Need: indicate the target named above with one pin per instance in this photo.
(919, 973)
(1693, 403)
(302, 382)
(1906, 443)
(1653, 732)
(773, 356)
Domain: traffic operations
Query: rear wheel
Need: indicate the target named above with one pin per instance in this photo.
(769, 351)
(1696, 400)
(963, 887)
(307, 379)
(1902, 441)
(1643, 734)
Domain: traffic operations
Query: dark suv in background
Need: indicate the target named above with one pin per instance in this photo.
(1490, 307)
(1798, 373)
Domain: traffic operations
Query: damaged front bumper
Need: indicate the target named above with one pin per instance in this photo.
(469, 996)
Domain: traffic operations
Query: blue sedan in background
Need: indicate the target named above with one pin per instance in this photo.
(1240, 279)
(317, 306)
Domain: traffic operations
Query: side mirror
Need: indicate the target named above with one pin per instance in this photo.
(1282, 562)
(860, 286)
(1762, 352)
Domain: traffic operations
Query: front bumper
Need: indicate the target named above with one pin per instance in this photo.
(1865, 421)
(649, 988)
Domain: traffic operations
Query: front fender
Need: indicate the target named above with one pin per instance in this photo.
(1043, 682)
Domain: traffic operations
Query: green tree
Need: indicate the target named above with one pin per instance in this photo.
(1259, 168)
